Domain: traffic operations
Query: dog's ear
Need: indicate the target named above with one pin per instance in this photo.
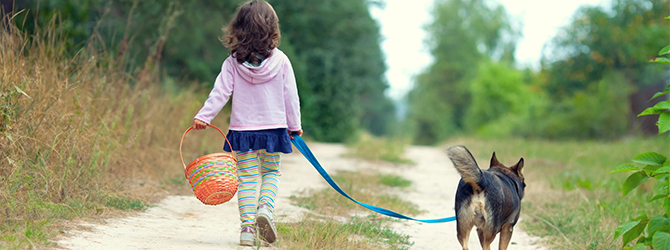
(494, 161)
(518, 167)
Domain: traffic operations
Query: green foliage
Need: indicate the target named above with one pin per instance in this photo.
(463, 34)
(338, 62)
(600, 111)
(587, 87)
(130, 29)
(657, 167)
(502, 102)
(343, 67)
(600, 40)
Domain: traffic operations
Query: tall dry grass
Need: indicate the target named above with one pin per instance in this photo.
(79, 135)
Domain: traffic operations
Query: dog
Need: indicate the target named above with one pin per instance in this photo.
(489, 199)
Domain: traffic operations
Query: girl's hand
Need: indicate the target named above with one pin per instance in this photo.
(198, 124)
(290, 133)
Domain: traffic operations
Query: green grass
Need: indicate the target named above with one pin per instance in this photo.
(394, 181)
(364, 187)
(372, 148)
(124, 203)
(329, 233)
(571, 199)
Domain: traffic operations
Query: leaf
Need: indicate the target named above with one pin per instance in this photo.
(662, 105)
(663, 122)
(661, 241)
(624, 228)
(663, 170)
(633, 181)
(650, 158)
(660, 94)
(649, 169)
(21, 91)
(634, 232)
(625, 168)
(664, 50)
(658, 223)
(640, 246)
(660, 60)
(658, 196)
(650, 111)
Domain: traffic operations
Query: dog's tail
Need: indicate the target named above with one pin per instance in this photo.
(466, 165)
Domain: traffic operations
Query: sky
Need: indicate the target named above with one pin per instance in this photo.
(403, 36)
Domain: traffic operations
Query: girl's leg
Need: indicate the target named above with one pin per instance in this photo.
(247, 171)
(270, 163)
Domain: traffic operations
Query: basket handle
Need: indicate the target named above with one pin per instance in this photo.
(209, 125)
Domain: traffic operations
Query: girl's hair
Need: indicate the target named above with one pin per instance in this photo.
(253, 33)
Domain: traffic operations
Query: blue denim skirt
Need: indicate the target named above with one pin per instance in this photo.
(272, 140)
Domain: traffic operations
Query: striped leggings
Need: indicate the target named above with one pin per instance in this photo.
(247, 171)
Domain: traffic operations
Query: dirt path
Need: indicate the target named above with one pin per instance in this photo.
(182, 222)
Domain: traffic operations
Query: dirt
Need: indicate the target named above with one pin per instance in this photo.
(182, 222)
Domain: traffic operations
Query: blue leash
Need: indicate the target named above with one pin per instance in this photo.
(302, 147)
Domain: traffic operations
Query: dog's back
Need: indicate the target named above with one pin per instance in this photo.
(489, 199)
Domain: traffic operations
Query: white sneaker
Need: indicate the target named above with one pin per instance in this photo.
(265, 223)
(248, 236)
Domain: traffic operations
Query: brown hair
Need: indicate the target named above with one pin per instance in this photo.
(253, 33)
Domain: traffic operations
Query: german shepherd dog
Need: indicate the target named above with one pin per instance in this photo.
(489, 199)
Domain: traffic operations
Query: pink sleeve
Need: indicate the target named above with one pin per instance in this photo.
(291, 99)
(219, 96)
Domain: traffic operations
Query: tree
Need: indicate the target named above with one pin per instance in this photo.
(333, 46)
(615, 39)
(464, 33)
(602, 39)
(338, 42)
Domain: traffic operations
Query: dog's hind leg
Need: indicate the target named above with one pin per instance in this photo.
(505, 236)
(463, 233)
(486, 237)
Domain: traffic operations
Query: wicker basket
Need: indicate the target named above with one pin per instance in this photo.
(213, 177)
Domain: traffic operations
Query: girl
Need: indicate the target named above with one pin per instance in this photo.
(265, 112)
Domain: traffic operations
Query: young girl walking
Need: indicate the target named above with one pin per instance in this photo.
(265, 112)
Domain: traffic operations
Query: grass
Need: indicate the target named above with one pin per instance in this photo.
(328, 231)
(571, 199)
(357, 233)
(73, 128)
(368, 147)
(394, 181)
(364, 187)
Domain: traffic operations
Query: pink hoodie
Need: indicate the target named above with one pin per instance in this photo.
(264, 97)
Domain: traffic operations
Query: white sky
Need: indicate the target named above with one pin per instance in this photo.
(401, 28)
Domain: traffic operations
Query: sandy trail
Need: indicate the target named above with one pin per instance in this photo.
(182, 222)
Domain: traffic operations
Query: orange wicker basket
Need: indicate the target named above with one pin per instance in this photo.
(213, 177)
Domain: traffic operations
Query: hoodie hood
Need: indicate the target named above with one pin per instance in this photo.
(266, 71)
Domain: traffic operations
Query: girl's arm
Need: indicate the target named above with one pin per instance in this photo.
(291, 99)
(219, 96)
